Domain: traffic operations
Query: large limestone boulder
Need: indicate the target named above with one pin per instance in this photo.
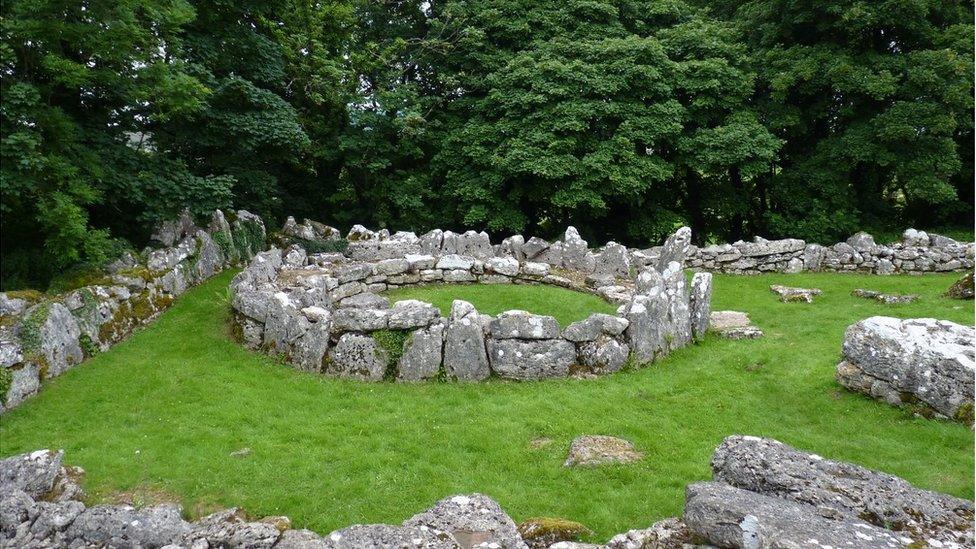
(231, 528)
(527, 359)
(523, 325)
(595, 325)
(357, 356)
(839, 489)
(422, 354)
(126, 526)
(731, 517)
(465, 356)
(613, 260)
(474, 520)
(40, 475)
(675, 248)
(922, 360)
(575, 252)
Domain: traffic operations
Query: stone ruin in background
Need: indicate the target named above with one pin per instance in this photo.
(323, 311)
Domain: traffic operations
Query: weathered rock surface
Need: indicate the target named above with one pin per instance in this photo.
(465, 355)
(731, 517)
(962, 288)
(789, 294)
(523, 325)
(543, 532)
(531, 359)
(474, 520)
(590, 450)
(839, 490)
(669, 533)
(422, 355)
(386, 536)
(924, 361)
(887, 299)
(700, 304)
(357, 356)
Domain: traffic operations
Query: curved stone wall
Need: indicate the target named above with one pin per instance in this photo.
(323, 312)
(42, 336)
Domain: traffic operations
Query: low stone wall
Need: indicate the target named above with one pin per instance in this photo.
(920, 362)
(42, 336)
(917, 252)
(764, 494)
(322, 312)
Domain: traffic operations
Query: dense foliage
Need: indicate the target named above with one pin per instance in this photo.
(622, 117)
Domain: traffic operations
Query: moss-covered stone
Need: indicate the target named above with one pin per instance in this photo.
(6, 380)
(545, 531)
(30, 328)
(393, 342)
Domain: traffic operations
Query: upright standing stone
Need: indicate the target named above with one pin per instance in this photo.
(575, 253)
(701, 304)
(465, 356)
(675, 248)
(422, 354)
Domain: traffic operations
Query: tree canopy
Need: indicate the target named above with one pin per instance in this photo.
(624, 118)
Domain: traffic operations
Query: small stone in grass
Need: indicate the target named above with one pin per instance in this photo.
(590, 450)
(243, 452)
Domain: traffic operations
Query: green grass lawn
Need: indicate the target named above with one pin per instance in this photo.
(162, 411)
(566, 305)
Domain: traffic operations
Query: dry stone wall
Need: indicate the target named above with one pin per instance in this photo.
(324, 312)
(918, 252)
(42, 336)
(763, 494)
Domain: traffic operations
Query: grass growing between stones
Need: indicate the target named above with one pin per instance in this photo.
(567, 306)
(162, 412)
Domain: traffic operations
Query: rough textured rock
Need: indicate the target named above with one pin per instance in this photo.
(126, 526)
(473, 520)
(731, 517)
(422, 354)
(646, 316)
(358, 357)
(843, 490)
(410, 314)
(531, 359)
(40, 475)
(733, 325)
(593, 326)
(700, 304)
(386, 536)
(962, 288)
(365, 300)
(55, 331)
(543, 532)
(669, 533)
(231, 528)
(589, 450)
(575, 253)
(603, 355)
(790, 295)
(675, 248)
(523, 325)
(923, 360)
(887, 299)
(465, 356)
(613, 260)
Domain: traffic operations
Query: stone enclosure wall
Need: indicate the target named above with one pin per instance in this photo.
(323, 312)
(917, 252)
(763, 494)
(42, 336)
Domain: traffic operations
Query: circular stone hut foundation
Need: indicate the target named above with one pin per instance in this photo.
(324, 313)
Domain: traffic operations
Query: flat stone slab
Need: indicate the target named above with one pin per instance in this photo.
(590, 450)
(887, 299)
(733, 325)
(788, 294)
(844, 491)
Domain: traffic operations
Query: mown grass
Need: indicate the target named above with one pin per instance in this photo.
(565, 305)
(162, 411)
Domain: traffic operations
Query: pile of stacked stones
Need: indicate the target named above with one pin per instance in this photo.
(42, 336)
(918, 252)
(764, 494)
(920, 362)
(323, 313)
